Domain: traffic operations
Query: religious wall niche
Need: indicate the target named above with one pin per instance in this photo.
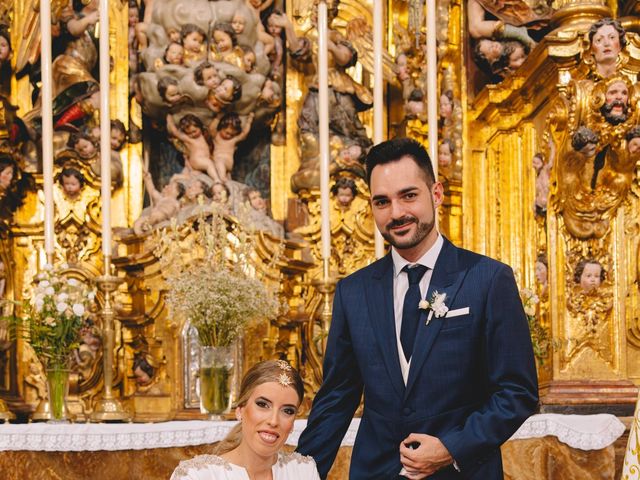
(408, 94)
(76, 90)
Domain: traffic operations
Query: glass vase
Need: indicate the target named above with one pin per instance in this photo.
(216, 375)
(57, 390)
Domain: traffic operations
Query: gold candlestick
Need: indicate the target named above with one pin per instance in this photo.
(326, 287)
(108, 408)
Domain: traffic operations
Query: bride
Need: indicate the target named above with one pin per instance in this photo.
(270, 395)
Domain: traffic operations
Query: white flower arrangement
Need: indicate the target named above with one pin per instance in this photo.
(54, 315)
(436, 306)
(220, 303)
(529, 301)
(220, 297)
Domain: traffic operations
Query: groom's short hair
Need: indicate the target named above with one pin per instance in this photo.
(396, 148)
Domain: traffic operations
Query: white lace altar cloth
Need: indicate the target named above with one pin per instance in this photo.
(585, 432)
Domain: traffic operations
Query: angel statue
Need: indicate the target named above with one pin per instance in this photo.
(346, 97)
(502, 32)
(75, 90)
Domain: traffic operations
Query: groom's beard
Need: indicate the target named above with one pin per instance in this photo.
(612, 118)
(420, 232)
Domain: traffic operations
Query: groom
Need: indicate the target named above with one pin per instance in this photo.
(434, 335)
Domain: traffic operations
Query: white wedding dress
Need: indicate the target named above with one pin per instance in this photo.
(290, 466)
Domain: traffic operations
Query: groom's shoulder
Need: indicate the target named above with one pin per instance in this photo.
(472, 260)
(373, 270)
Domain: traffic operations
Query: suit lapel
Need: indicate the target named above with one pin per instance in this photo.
(381, 313)
(446, 278)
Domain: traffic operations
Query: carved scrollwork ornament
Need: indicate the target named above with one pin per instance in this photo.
(594, 166)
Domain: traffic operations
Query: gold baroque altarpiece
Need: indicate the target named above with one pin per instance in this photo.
(489, 207)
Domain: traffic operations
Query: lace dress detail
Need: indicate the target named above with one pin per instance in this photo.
(198, 463)
(288, 466)
(285, 458)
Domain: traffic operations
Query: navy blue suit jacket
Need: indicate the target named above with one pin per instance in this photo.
(472, 380)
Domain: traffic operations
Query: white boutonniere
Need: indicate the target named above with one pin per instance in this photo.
(436, 306)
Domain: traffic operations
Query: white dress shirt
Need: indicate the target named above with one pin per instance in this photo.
(401, 285)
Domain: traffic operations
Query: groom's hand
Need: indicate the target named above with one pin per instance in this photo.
(426, 458)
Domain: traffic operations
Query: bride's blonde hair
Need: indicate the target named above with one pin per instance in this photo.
(263, 372)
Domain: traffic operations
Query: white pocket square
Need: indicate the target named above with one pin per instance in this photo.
(457, 312)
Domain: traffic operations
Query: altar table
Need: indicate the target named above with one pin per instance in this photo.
(546, 447)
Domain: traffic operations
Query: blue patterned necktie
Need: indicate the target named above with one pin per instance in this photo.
(410, 310)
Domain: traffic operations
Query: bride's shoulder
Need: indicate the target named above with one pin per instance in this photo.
(296, 466)
(295, 458)
(199, 463)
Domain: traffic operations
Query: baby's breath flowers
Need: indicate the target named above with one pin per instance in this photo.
(220, 303)
(218, 289)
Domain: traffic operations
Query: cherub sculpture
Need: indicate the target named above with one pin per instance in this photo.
(590, 302)
(344, 191)
(542, 274)
(258, 216)
(193, 41)
(589, 274)
(227, 132)
(225, 45)
(197, 144)
(7, 173)
(165, 204)
(71, 180)
(501, 32)
(145, 373)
